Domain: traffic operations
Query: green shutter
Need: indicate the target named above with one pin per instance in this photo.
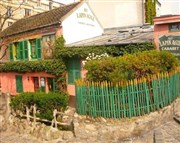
(38, 48)
(21, 57)
(26, 50)
(17, 51)
(19, 84)
(10, 52)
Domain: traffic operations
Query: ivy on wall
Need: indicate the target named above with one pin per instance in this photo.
(83, 51)
(57, 66)
(54, 67)
(150, 11)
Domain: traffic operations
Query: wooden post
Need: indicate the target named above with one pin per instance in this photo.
(8, 109)
(27, 114)
(54, 121)
(34, 114)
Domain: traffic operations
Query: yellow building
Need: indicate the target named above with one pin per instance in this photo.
(18, 9)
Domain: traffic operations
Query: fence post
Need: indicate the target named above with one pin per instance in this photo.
(27, 114)
(54, 121)
(34, 114)
(8, 109)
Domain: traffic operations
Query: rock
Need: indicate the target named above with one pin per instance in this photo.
(90, 127)
(1, 119)
(103, 120)
(67, 135)
(76, 115)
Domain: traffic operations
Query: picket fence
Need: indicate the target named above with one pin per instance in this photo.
(129, 98)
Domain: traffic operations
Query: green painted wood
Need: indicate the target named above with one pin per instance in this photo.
(134, 100)
(19, 84)
(11, 52)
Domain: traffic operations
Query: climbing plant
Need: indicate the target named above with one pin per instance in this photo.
(150, 11)
(83, 51)
(55, 67)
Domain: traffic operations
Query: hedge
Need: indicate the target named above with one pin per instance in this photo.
(45, 103)
(130, 66)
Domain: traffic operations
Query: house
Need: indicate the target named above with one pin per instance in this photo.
(32, 39)
(17, 9)
(167, 34)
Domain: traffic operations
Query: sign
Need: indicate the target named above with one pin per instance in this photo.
(170, 43)
(85, 17)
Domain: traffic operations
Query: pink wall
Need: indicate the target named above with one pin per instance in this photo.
(161, 27)
(8, 81)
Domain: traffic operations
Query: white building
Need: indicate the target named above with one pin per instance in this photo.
(170, 7)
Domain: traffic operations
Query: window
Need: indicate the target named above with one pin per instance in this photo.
(51, 85)
(50, 5)
(19, 50)
(35, 45)
(39, 3)
(74, 70)
(174, 27)
(9, 11)
(25, 50)
(27, 12)
(48, 45)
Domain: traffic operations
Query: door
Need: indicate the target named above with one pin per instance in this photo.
(19, 84)
(36, 83)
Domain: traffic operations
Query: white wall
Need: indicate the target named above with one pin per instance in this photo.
(76, 28)
(170, 7)
(118, 13)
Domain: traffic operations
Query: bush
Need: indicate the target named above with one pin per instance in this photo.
(131, 66)
(45, 103)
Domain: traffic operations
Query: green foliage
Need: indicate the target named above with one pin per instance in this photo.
(131, 66)
(150, 10)
(45, 103)
(82, 52)
(54, 67)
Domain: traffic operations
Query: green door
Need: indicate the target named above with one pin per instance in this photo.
(19, 84)
(74, 70)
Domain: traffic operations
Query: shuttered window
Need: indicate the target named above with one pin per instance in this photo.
(11, 52)
(74, 70)
(38, 48)
(36, 52)
(20, 50)
(26, 56)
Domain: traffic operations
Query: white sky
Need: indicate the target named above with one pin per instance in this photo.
(65, 1)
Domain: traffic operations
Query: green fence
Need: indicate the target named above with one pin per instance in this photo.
(127, 99)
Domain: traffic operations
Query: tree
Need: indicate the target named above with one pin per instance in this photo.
(6, 12)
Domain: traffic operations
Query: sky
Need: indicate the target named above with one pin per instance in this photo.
(173, 4)
(65, 1)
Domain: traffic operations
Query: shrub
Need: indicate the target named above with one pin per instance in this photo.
(45, 103)
(131, 66)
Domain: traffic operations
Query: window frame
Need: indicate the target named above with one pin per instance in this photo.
(176, 30)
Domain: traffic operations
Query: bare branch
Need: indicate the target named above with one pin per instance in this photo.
(5, 16)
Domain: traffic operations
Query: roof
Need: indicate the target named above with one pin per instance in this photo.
(119, 36)
(39, 20)
(165, 19)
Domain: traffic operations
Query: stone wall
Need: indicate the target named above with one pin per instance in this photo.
(84, 128)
